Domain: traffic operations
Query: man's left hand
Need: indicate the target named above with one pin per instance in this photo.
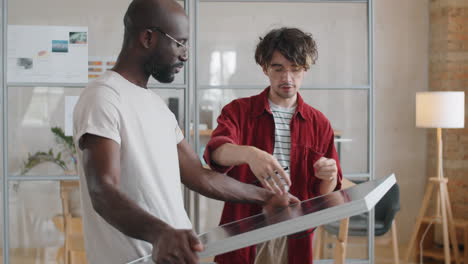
(326, 169)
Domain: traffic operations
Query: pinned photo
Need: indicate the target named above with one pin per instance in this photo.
(42, 53)
(59, 46)
(78, 37)
(25, 63)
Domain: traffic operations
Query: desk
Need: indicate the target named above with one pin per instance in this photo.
(338, 140)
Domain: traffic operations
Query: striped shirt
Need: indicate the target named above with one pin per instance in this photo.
(282, 117)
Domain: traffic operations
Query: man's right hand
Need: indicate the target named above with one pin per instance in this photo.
(174, 246)
(268, 170)
(279, 201)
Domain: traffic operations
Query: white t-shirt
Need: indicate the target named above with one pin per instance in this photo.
(282, 117)
(148, 134)
(275, 251)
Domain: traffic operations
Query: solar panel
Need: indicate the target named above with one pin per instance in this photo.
(293, 219)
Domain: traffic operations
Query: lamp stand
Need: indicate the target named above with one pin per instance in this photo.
(443, 211)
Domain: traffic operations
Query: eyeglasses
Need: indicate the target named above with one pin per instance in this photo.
(179, 44)
(280, 70)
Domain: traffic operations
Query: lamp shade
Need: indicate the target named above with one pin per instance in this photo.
(440, 109)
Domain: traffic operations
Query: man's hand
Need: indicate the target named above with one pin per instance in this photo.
(175, 246)
(279, 201)
(326, 169)
(268, 171)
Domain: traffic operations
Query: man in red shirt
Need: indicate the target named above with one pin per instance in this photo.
(259, 137)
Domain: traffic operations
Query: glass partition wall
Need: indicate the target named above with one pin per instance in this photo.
(4, 117)
(339, 84)
(42, 214)
(39, 198)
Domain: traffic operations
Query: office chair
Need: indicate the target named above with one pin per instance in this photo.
(385, 211)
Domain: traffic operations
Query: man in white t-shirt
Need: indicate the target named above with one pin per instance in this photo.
(132, 155)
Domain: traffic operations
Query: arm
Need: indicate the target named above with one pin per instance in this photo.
(263, 165)
(101, 162)
(327, 168)
(229, 154)
(224, 150)
(218, 186)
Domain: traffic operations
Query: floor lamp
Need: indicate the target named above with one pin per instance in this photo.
(439, 110)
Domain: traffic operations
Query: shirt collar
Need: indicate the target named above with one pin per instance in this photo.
(261, 105)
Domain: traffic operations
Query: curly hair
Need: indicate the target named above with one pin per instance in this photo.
(294, 44)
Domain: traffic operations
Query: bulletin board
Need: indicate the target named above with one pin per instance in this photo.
(47, 54)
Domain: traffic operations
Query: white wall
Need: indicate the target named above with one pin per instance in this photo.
(401, 69)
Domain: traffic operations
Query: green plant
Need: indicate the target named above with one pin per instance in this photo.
(66, 141)
(40, 157)
(67, 145)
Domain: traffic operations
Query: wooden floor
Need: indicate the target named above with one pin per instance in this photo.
(383, 255)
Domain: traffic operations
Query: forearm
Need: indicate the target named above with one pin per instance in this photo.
(327, 186)
(222, 187)
(124, 214)
(231, 155)
(215, 185)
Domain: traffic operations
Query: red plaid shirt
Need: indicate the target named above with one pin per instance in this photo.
(249, 121)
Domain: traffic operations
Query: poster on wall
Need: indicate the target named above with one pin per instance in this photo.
(97, 65)
(47, 54)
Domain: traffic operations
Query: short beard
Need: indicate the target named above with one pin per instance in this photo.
(163, 74)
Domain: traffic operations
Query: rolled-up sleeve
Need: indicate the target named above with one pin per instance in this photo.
(227, 131)
(330, 153)
(97, 112)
